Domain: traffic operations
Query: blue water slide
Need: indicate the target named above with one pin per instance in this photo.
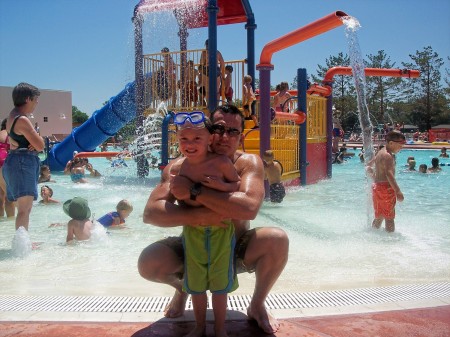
(103, 123)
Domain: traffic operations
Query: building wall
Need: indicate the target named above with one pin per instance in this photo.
(53, 112)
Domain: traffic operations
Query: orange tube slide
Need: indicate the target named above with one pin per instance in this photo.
(96, 154)
(371, 72)
(320, 26)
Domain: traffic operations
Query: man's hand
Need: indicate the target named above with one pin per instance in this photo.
(180, 187)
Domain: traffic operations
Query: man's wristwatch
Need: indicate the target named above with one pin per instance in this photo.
(195, 190)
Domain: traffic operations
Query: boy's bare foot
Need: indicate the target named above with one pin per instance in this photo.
(176, 306)
(265, 320)
(221, 333)
(198, 331)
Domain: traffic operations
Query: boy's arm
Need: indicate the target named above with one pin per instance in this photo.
(70, 232)
(390, 176)
(246, 201)
(230, 181)
(162, 211)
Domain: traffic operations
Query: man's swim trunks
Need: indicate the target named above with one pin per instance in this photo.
(209, 259)
(384, 200)
(277, 192)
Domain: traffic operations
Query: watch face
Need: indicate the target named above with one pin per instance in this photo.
(195, 190)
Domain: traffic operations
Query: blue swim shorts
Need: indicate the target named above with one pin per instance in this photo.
(21, 173)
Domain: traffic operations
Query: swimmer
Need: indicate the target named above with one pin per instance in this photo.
(116, 219)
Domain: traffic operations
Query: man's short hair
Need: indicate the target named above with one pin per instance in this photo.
(228, 109)
(395, 136)
(229, 68)
(22, 92)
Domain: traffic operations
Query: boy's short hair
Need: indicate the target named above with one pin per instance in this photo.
(22, 92)
(395, 136)
(49, 189)
(45, 168)
(268, 154)
(124, 205)
(229, 68)
(435, 162)
(247, 78)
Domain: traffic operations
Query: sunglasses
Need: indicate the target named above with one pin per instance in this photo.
(194, 118)
(221, 130)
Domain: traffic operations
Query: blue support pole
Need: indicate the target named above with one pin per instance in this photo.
(302, 87)
(264, 113)
(139, 76)
(212, 11)
(165, 139)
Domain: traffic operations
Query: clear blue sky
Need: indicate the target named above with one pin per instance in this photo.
(86, 46)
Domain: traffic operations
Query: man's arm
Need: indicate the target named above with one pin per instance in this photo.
(244, 203)
(162, 211)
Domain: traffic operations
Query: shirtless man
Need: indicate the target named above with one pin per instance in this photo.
(262, 250)
(385, 190)
(204, 69)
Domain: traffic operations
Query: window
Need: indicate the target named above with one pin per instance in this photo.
(45, 119)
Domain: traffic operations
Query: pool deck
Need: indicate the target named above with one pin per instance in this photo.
(422, 311)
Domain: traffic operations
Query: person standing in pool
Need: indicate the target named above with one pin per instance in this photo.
(261, 250)
(22, 166)
(385, 190)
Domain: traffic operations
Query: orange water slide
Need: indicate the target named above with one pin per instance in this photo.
(315, 28)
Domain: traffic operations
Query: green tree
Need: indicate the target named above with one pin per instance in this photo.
(344, 96)
(78, 117)
(381, 91)
(426, 93)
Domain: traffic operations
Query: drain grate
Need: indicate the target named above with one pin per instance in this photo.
(10, 303)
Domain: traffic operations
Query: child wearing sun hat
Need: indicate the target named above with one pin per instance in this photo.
(80, 226)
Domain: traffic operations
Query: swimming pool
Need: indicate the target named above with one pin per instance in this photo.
(332, 247)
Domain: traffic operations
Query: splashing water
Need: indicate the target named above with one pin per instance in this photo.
(148, 141)
(357, 64)
(21, 244)
(359, 77)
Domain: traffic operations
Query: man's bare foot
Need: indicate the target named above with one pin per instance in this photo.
(265, 320)
(176, 306)
(198, 331)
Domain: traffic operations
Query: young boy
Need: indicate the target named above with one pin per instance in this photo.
(423, 168)
(79, 227)
(247, 99)
(47, 194)
(228, 87)
(434, 166)
(209, 250)
(115, 219)
(45, 175)
(385, 190)
(273, 171)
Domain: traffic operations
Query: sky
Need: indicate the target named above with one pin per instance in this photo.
(87, 46)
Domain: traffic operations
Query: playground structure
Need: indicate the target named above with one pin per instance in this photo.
(300, 138)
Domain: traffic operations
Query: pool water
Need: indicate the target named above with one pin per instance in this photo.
(331, 244)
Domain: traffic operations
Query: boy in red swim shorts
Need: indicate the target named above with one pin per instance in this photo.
(385, 190)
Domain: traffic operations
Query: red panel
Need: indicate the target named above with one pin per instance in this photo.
(230, 11)
(316, 155)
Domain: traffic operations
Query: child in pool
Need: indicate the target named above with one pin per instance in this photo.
(115, 219)
(206, 267)
(47, 194)
(45, 175)
(385, 190)
(79, 227)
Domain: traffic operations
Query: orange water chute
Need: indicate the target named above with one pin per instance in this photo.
(96, 154)
(371, 72)
(318, 27)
